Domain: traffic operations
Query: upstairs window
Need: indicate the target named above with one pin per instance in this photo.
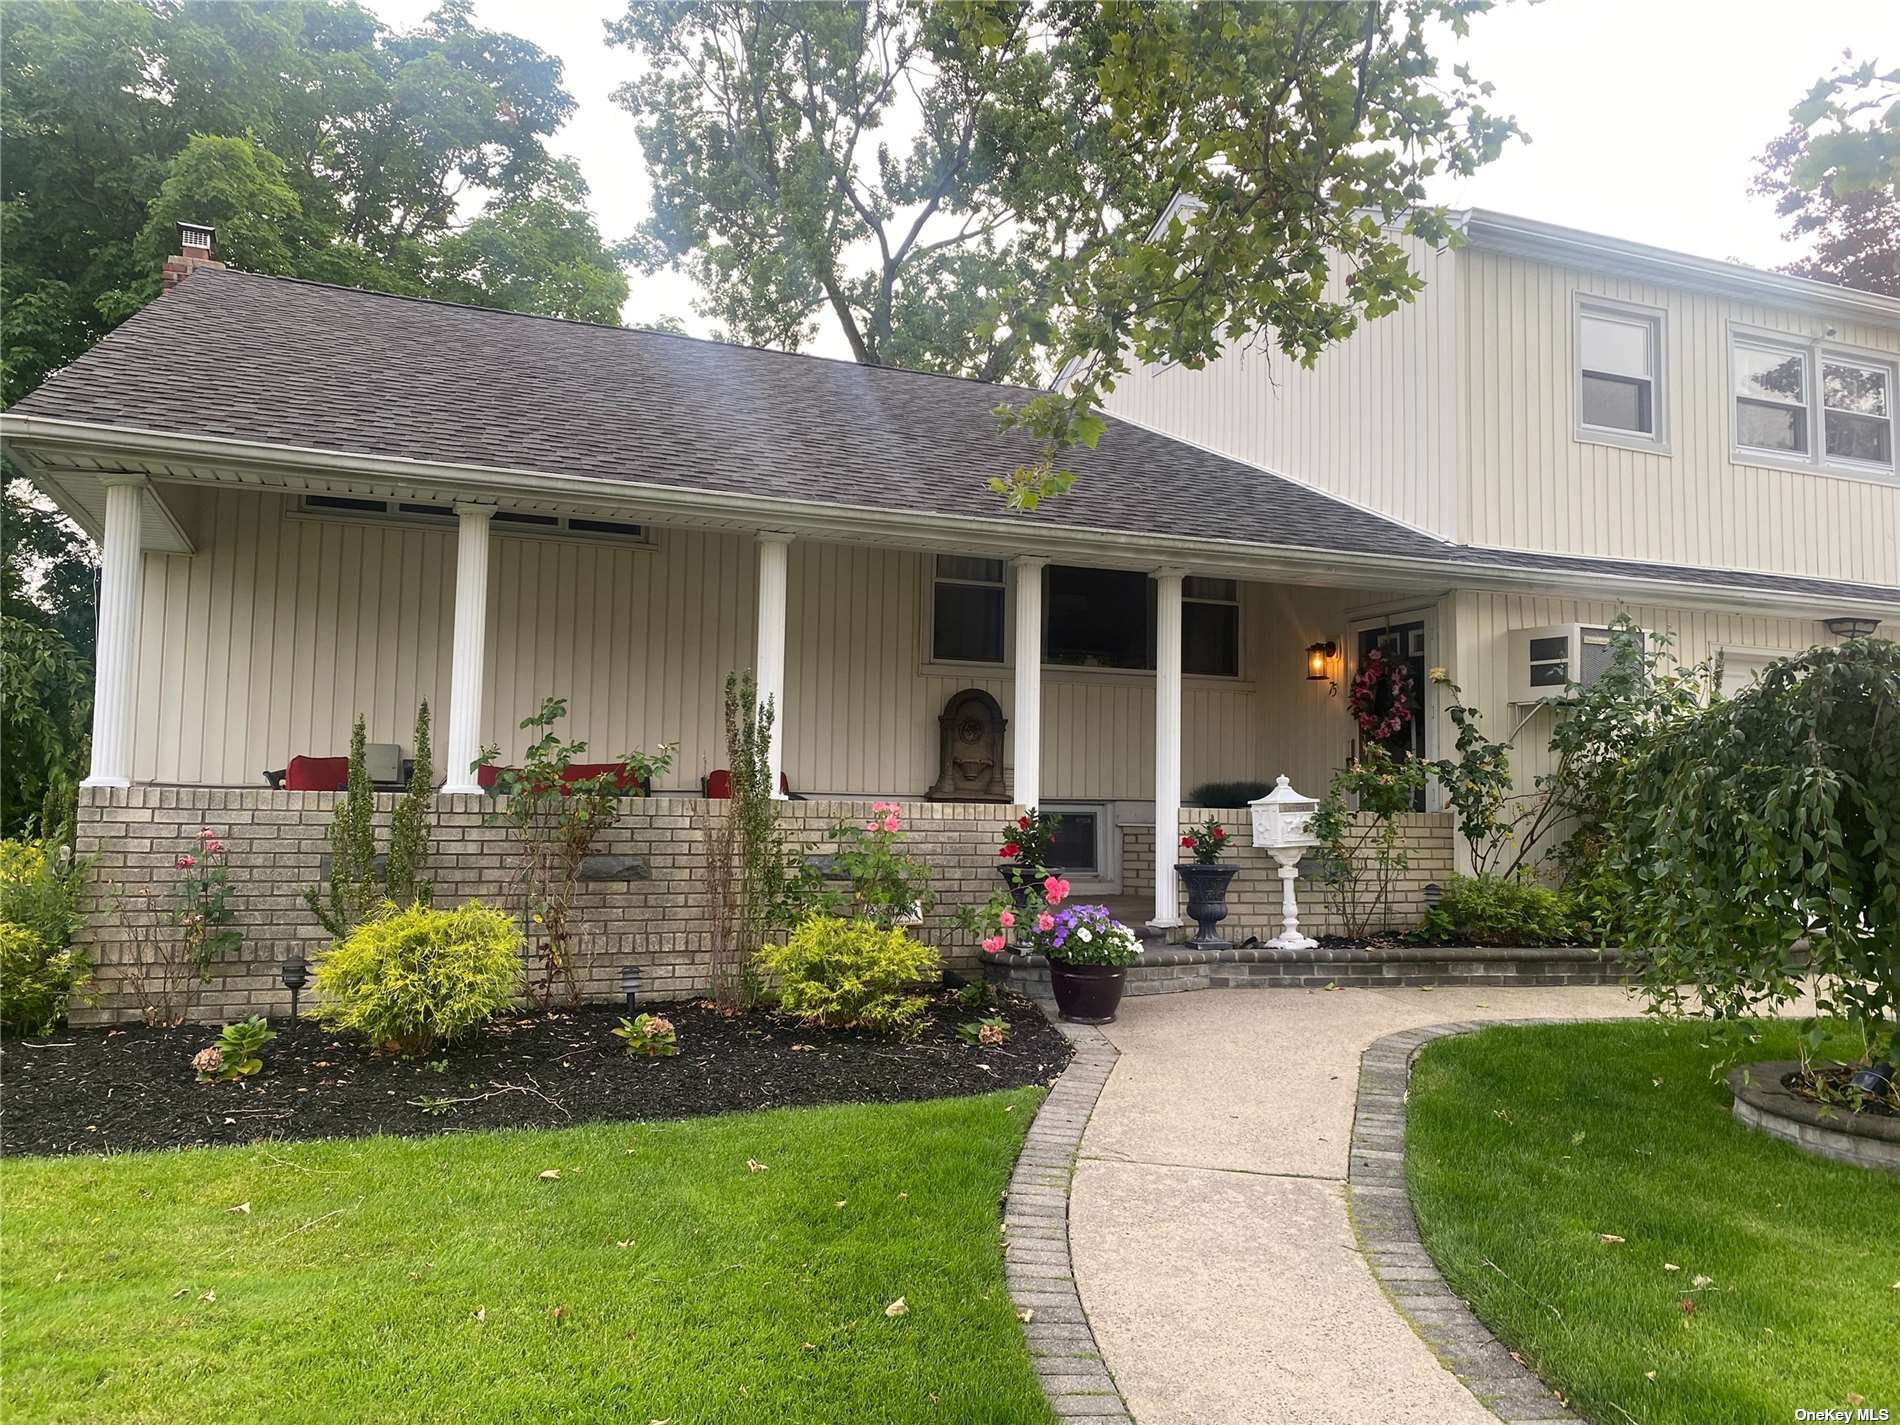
(1619, 360)
(1771, 398)
(1805, 403)
(966, 610)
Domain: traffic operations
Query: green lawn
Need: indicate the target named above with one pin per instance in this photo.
(1524, 1146)
(444, 1279)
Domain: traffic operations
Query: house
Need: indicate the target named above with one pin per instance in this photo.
(315, 502)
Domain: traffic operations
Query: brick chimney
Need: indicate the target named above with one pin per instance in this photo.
(194, 251)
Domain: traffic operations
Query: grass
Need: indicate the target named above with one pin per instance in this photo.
(445, 1279)
(1525, 1145)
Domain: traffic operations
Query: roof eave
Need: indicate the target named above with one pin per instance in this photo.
(269, 466)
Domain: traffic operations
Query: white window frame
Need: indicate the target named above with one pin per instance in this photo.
(1107, 879)
(1818, 353)
(932, 578)
(392, 513)
(1655, 441)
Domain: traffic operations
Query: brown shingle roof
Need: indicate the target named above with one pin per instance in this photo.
(294, 363)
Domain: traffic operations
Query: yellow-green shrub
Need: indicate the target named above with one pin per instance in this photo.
(39, 911)
(417, 976)
(851, 974)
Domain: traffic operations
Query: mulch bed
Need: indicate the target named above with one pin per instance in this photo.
(1829, 1086)
(100, 1090)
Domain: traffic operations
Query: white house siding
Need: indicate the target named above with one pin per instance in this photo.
(1476, 652)
(1373, 420)
(270, 639)
(1530, 484)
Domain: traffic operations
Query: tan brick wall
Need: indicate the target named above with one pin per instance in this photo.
(131, 838)
(1253, 898)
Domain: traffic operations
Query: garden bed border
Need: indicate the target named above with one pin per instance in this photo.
(1865, 1140)
(1036, 1260)
(1380, 1208)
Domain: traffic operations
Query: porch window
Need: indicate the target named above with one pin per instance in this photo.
(966, 610)
(1210, 626)
(1098, 618)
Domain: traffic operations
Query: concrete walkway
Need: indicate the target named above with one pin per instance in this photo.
(1208, 1219)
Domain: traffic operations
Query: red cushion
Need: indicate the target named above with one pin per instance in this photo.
(317, 774)
(485, 776)
(719, 786)
(581, 771)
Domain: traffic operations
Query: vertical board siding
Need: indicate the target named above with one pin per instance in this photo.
(1477, 653)
(1530, 484)
(268, 641)
(1373, 420)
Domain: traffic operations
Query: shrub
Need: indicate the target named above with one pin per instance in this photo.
(1228, 794)
(887, 886)
(39, 911)
(844, 974)
(350, 897)
(1496, 910)
(406, 872)
(414, 976)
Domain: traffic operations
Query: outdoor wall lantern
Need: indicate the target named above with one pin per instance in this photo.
(1852, 627)
(1319, 658)
(1280, 828)
(296, 973)
(630, 984)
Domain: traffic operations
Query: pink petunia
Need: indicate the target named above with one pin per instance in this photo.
(1045, 922)
(992, 944)
(890, 822)
(186, 861)
(1006, 919)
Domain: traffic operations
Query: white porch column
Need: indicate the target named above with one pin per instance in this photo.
(1027, 787)
(115, 653)
(769, 665)
(1167, 743)
(466, 671)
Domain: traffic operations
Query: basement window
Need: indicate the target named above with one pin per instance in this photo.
(442, 516)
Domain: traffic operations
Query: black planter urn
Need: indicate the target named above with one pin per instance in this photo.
(1206, 901)
(1021, 881)
(1087, 994)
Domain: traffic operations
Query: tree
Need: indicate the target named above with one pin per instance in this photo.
(1761, 837)
(1834, 179)
(1000, 190)
(321, 143)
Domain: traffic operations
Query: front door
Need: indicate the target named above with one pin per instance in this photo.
(1403, 641)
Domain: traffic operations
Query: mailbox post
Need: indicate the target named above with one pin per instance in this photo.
(1280, 829)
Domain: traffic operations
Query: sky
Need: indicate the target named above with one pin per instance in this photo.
(1645, 116)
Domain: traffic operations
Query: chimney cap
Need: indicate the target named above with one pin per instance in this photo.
(196, 235)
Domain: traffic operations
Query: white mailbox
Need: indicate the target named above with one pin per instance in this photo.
(1280, 827)
(1280, 817)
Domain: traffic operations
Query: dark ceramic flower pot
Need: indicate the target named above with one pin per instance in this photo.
(1207, 901)
(1087, 994)
(1021, 882)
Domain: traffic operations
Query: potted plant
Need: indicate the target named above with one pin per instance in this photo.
(1206, 880)
(1089, 953)
(1025, 853)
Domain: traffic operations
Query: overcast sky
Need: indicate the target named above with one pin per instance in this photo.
(1645, 115)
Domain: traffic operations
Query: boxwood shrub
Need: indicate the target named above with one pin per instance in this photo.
(843, 974)
(417, 977)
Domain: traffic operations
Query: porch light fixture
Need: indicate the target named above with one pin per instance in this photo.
(1853, 627)
(296, 974)
(1319, 657)
(630, 984)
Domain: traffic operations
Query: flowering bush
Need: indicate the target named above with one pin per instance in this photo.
(1026, 840)
(1381, 697)
(1206, 842)
(39, 911)
(887, 886)
(206, 921)
(1085, 935)
(651, 1036)
(238, 1053)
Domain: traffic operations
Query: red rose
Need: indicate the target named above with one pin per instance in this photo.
(1219, 832)
(1023, 822)
(1012, 849)
(1187, 841)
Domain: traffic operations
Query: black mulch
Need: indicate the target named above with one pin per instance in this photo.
(1831, 1087)
(99, 1090)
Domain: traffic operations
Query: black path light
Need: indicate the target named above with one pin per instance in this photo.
(296, 973)
(630, 984)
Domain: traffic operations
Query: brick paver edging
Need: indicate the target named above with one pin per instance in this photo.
(1036, 1242)
(1381, 1212)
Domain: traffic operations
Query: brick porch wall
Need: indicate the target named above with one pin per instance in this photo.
(1253, 898)
(656, 917)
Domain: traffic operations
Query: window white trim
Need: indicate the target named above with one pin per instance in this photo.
(932, 578)
(419, 514)
(1817, 353)
(1656, 321)
(1107, 878)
